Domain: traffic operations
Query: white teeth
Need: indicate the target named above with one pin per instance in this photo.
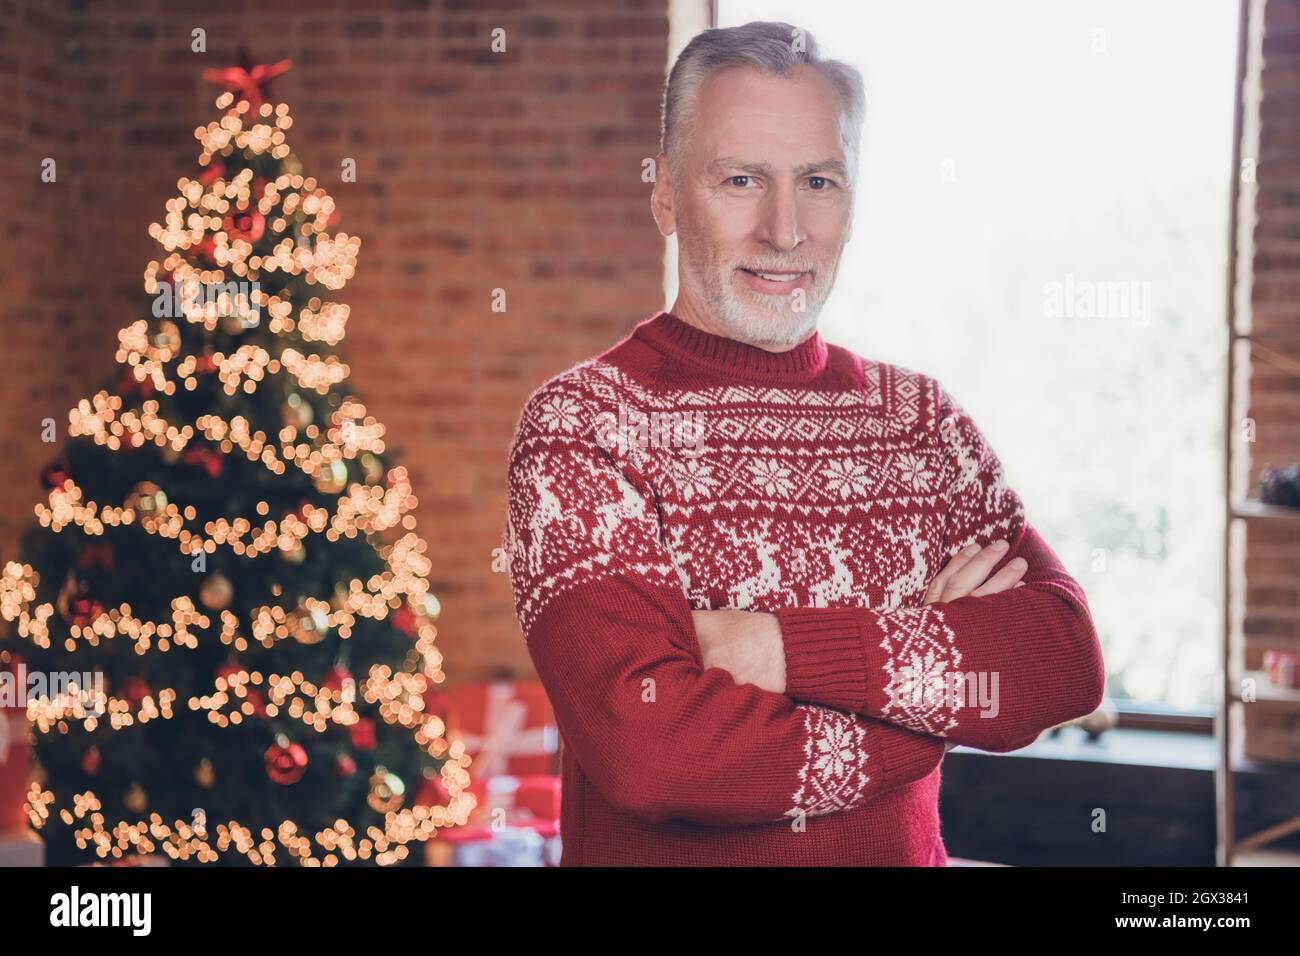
(780, 276)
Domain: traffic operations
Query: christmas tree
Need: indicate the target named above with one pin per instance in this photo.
(224, 594)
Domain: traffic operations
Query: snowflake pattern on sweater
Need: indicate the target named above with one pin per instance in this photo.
(843, 503)
(573, 521)
(834, 772)
(847, 485)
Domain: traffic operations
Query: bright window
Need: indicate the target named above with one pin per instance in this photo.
(1042, 225)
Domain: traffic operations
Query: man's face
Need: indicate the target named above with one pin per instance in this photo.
(761, 201)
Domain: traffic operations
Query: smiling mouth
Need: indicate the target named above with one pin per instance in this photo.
(775, 282)
(774, 276)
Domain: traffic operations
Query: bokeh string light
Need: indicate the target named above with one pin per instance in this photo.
(362, 509)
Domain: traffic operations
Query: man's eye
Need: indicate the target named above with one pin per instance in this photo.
(741, 181)
(818, 182)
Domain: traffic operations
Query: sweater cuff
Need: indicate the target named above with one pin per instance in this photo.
(825, 660)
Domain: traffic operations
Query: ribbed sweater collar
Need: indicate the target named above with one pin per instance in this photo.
(728, 358)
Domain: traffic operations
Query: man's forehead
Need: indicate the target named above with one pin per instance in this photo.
(754, 88)
(757, 117)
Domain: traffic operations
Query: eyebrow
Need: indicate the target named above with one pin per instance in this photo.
(763, 169)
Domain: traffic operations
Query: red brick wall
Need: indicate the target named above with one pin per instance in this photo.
(475, 170)
(1272, 596)
(41, 322)
(1264, 589)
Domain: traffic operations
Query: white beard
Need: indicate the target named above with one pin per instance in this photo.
(770, 321)
(767, 321)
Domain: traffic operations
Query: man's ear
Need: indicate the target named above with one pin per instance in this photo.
(661, 198)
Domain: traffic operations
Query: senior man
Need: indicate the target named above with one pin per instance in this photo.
(765, 581)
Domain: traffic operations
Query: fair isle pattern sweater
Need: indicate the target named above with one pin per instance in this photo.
(684, 471)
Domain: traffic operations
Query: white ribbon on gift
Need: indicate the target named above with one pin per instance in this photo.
(504, 735)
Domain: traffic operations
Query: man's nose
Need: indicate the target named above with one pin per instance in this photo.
(779, 226)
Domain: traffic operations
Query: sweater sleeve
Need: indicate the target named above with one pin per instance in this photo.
(990, 671)
(610, 632)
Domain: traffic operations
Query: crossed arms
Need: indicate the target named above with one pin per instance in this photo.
(979, 663)
(662, 733)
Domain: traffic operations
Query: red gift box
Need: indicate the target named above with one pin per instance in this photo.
(15, 755)
(507, 727)
(509, 732)
(532, 802)
(538, 798)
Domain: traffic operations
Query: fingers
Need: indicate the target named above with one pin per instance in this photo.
(1006, 577)
(974, 572)
(955, 563)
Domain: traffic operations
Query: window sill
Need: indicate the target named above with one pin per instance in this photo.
(1121, 745)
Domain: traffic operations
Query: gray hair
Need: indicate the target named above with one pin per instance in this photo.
(772, 47)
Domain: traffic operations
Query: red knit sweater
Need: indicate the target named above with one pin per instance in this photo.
(682, 470)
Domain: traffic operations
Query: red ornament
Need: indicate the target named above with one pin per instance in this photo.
(85, 609)
(135, 690)
(129, 384)
(212, 172)
(91, 761)
(286, 764)
(205, 458)
(55, 474)
(228, 670)
(97, 553)
(340, 677)
(247, 224)
(344, 765)
(404, 620)
(363, 734)
(206, 247)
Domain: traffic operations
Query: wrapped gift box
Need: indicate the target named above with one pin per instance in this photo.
(507, 727)
(509, 732)
(15, 765)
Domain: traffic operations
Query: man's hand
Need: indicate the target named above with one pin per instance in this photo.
(746, 644)
(966, 572)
